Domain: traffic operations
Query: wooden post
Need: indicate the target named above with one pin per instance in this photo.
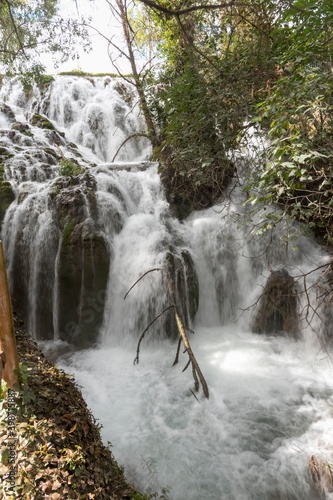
(8, 349)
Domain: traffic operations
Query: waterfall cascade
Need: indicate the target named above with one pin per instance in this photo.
(74, 245)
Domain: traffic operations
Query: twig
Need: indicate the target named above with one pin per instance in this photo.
(136, 359)
(186, 366)
(138, 134)
(177, 353)
(150, 271)
(194, 395)
(61, 153)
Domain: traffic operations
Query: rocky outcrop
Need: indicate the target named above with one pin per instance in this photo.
(7, 195)
(277, 308)
(84, 260)
(181, 269)
(7, 111)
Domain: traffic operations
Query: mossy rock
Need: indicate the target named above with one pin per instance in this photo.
(5, 153)
(23, 128)
(7, 111)
(277, 309)
(182, 272)
(7, 196)
(189, 186)
(84, 260)
(51, 152)
(42, 122)
(83, 275)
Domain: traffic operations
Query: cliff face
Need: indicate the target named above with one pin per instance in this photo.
(58, 452)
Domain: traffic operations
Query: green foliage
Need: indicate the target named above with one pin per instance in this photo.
(69, 168)
(28, 29)
(215, 71)
(299, 116)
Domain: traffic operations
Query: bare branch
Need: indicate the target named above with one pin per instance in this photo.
(177, 353)
(179, 12)
(137, 134)
(186, 366)
(136, 359)
(145, 274)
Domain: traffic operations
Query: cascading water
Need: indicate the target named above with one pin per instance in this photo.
(271, 396)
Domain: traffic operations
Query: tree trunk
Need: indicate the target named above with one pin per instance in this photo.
(7, 332)
(138, 84)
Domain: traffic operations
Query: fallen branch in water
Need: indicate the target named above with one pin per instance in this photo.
(196, 371)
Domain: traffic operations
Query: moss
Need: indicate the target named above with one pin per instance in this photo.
(5, 153)
(44, 79)
(67, 232)
(51, 152)
(69, 168)
(7, 111)
(42, 122)
(170, 258)
(182, 205)
(23, 128)
(7, 195)
(48, 125)
(79, 72)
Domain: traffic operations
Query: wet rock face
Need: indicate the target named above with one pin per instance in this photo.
(84, 261)
(277, 308)
(181, 269)
(7, 195)
(7, 111)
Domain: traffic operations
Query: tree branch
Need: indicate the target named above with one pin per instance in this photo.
(15, 27)
(180, 12)
(137, 281)
(138, 134)
(136, 359)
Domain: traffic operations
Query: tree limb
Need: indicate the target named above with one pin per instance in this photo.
(136, 359)
(137, 281)
(137, 134)
(179, 12)
(15, 27)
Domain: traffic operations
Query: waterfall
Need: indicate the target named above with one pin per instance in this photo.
(75, 245)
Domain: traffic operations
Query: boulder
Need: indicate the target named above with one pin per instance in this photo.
(84, 261)
(181, 269)
(277, 308)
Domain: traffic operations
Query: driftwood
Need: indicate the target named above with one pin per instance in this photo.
(61, 153)
(196, 371)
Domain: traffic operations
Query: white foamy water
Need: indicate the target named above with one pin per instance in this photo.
(269, 411)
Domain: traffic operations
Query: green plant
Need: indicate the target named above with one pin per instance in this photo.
(69, 168)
